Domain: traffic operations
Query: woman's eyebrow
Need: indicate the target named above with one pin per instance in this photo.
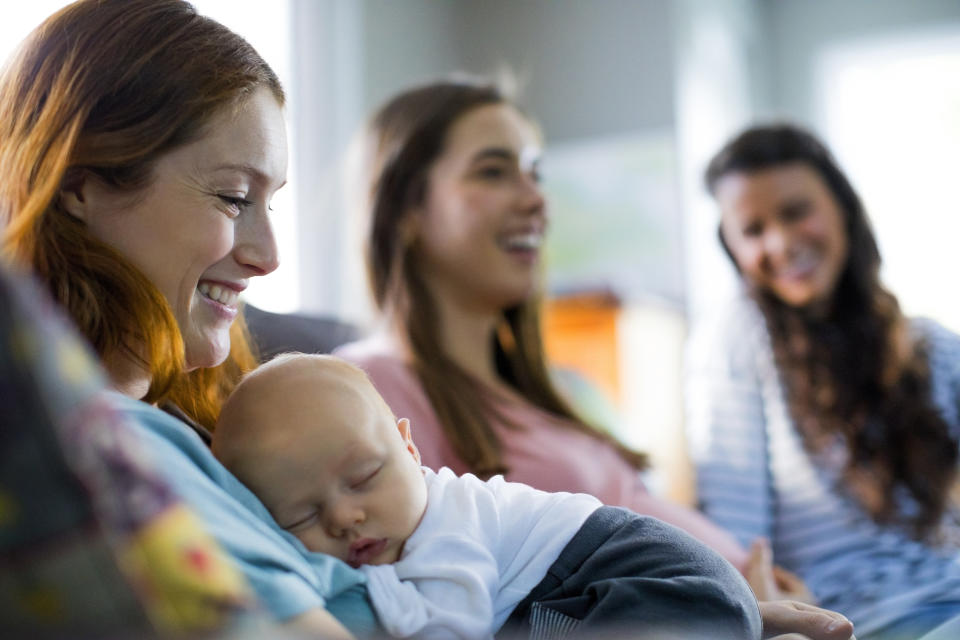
(500, 153)
(255, 174)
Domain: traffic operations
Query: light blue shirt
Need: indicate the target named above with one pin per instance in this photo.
(288, 579)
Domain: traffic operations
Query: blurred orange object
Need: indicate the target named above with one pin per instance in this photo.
(580, 333)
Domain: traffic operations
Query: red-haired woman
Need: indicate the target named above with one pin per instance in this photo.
(140, 145)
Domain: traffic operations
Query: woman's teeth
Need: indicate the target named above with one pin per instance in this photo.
(224, 296)
(524, 241)
(800, 265)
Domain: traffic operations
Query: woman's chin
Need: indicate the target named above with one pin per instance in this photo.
(204, 354)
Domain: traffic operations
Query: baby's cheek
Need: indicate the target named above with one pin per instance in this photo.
(314, 540)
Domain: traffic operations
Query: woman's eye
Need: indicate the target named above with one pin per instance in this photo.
(492, 173)
(796, 211)
(235, 204)
(753, 230)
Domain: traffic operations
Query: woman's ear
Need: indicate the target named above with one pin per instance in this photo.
(409, 227)
(73, 194)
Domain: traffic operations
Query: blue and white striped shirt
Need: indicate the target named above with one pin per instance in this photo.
(756, 479)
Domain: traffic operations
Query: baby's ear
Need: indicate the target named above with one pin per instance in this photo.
(403, 426)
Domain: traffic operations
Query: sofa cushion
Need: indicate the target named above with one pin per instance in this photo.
(275, 333)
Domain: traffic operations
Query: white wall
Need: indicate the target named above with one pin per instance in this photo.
(880, 81)
(407, 42)
(586, 69)
(721, 86)
(800, 29)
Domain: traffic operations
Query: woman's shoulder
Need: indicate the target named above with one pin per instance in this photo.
(287, 578)
(942, 348)
(375, 352)
(728, 337)
(938, 338)
(404, 393)
(383, 362)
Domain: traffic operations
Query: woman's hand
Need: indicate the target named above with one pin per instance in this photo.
(788, 620)
(786, 605)
(770, 582)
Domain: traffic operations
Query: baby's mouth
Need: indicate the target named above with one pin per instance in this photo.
(364, 550)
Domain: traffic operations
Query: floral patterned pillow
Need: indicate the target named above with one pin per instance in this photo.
(92, 540)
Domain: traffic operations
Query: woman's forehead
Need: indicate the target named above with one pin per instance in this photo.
(494, 125)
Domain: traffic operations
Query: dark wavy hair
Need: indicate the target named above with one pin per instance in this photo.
(403, 140)
(854, 372)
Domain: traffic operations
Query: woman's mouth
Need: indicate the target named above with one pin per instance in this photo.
(222, 295)
(801, 266)
(364, 550)
(530, 241)
(523, 246)
(220, 299)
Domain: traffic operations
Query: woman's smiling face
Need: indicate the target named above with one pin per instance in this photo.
(481, 226)
(200, 230)
(786, 232)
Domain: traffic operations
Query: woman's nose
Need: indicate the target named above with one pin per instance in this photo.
(255, 246)
(532, 196)
(774, 243)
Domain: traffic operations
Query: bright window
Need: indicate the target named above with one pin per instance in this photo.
(891, 110)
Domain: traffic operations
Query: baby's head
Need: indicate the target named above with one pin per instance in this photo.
(312, 438)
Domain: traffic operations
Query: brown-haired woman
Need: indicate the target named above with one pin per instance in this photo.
(140, 145)
(827, 421)
(456, 220)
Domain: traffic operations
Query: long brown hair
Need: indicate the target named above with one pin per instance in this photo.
(856, 372)
(107, 87)
(404, 138)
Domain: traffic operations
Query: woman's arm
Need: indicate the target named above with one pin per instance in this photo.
(319, 622)
(288, 581)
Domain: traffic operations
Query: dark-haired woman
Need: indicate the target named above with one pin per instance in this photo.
(823, 418)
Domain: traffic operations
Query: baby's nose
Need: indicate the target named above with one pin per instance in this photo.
(344, 516)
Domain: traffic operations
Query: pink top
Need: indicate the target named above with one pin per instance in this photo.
(546, 453)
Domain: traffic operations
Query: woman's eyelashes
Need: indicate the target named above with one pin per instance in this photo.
(235, 205)
(753, 230)
(493, 172)
(501, 172)
(796, 210)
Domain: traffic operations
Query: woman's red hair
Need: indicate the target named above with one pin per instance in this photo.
(106, 87)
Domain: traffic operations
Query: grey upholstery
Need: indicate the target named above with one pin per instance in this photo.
(275, 333)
